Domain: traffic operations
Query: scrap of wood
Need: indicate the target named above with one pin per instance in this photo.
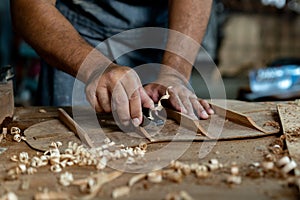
(145, 133)
(238, 117)
(101, 179)
(72, 125)
(186, 121)
(290, 120)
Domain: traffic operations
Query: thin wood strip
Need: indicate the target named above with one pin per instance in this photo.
(145, 133)
(73, 126)
(186, 121)
(290, 121)
(237, 117)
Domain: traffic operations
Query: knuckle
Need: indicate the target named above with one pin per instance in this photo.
(119, 99)
(135, 96)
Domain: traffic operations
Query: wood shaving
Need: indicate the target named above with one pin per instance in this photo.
(100, 179)
(15, 130)
(173, 175)
(182, 195)
(4, 132)
(66, 179)
(289, 167)
(136, 179)
(120, 192)
(42, 110)
(232, 179)
(51, 195)
(9, 196)
(154, 177)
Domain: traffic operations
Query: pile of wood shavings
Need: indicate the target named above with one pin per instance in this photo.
(74, 155)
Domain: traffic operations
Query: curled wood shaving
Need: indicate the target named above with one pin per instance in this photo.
(182, 195)
(9, 196)
(159, 106)
(100, 179)
(136, 179)
(66, 179)
(120, 192)
(173, 175)
(4, 132)
(155, 177)
(15, 130)
(232, 179)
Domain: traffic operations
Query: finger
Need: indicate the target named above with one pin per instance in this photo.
(188, 106)
(207, 107)
(104, 99)
(152, 90)
(201, 112)
(175, 101)
(147, 102)
(120, 104)
(131, 84)
(135, 107)
(92, 99)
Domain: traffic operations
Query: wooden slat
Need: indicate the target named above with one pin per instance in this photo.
(290, 120)
(246, 119)
(73, 126)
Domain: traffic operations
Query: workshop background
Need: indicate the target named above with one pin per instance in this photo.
(242, 35)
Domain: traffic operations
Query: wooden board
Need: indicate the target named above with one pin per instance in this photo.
(170, 131)
(243, 152)
(39, 136)
(290, 120)
(251, 115)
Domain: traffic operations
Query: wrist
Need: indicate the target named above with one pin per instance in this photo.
(94, 64)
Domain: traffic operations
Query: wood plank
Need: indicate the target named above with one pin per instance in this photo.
(40, 135)
(73, 126)
(249, 114)
(243, 152)
(290, 120)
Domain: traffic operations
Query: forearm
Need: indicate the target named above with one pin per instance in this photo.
(189, 17)
(53, 37)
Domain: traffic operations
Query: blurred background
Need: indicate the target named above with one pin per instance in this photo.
(243, 36)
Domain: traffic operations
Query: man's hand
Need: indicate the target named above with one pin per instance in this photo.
(181, 98)
(118, 89)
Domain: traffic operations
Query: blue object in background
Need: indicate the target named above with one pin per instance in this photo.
(275, 79)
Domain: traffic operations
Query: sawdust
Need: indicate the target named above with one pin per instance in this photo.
(272, 124)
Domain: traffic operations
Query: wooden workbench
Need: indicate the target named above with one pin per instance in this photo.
(243, 152)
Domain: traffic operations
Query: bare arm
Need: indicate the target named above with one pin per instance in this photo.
(110, 88)
(190, 18)
(52, 36)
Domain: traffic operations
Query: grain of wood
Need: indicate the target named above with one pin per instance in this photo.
(290, 121)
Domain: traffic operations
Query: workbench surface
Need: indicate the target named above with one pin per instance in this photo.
(242, 152)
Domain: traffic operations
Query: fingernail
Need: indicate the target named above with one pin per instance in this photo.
(136, 122)
(183, 110)
(211, 111)
(152, 106)
(204, 114)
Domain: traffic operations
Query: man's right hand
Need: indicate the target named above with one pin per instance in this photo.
(119, 90)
